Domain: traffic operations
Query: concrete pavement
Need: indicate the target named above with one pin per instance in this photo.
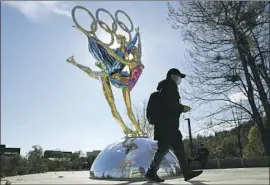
(220, 176)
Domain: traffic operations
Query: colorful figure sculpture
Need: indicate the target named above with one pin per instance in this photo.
(112, 62)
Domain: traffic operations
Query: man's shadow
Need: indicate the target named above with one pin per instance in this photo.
(198, 182)
(193, 182)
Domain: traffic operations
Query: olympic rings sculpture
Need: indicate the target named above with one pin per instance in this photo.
(112, 61)
(97, 22)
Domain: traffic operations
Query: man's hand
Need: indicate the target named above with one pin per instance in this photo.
(186, 108)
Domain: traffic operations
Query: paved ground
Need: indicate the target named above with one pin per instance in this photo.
(223, 176)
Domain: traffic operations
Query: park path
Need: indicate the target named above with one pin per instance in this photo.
(220, 176)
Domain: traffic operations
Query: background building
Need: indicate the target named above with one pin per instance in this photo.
(92, 155)
(9, 151)
(56, 154)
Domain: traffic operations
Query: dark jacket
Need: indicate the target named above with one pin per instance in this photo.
(170, 105)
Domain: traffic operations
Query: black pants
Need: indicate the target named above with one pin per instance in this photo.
(169, 138)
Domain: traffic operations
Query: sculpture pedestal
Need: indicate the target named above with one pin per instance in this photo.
(129, 158)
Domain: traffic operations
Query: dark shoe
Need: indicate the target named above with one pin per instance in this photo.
(191, 174)
(152, 176)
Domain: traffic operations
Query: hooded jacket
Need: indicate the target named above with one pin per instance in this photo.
(170, 103)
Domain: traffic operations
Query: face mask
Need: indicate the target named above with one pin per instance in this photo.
(178, 80)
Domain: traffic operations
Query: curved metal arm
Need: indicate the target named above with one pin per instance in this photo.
(111, 52)
(136, 60)
(139, 47)
(132, 43)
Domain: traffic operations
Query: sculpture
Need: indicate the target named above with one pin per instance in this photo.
(111, 62)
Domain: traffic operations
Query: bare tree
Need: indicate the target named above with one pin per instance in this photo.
(237, 115)
(228, 53)
(140, 115)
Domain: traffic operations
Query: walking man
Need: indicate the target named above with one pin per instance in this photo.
(165, 119)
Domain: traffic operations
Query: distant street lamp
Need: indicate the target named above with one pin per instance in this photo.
(190, 137)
